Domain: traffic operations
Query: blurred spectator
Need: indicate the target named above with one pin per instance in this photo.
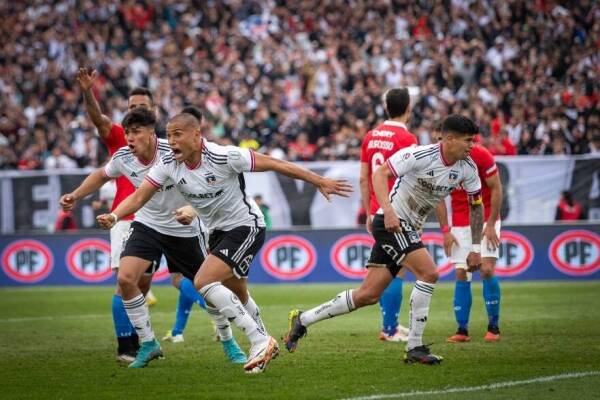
(568, 209)
(58, 160)
(302, 77)
(265, 210)
(65, 221)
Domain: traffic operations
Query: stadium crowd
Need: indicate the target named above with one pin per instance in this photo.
(301, 80)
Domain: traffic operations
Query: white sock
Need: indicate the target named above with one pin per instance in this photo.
(138, 314)
(419, 310)
(254, 311)
(230, 306)
(223, 326)
(339, 305)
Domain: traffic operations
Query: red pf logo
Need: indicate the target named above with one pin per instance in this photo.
(163, 271)
(516, 254)
(288, 257)
(576, 252)
(350, 254)
(434, 242)
(27, 261)
(89, 260)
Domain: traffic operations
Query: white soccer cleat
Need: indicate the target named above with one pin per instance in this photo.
(401, 335)
(261, 356)
(169, 337)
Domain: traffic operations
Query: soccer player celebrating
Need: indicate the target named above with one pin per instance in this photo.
(378, 145)
(425, 175)
(156, 230)
(457, 242)
(113, 136)
(210, 177)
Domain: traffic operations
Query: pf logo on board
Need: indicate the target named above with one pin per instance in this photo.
(434, 242)
(27, 261)
(89, 260)
(516, 254)
(288, 257)
(576, 252)
(350, 254)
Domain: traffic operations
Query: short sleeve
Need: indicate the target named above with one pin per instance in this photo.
(402, 161)
(113, 168)
(159, 173)
(115, 138)
(471, 182)
(485, 163)
(240, 160)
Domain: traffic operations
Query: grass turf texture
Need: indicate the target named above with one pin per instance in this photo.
(58, 343)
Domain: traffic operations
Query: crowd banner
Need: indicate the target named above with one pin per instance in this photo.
(536, 252)
(532, 186)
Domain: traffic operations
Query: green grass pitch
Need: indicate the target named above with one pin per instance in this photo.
(57, 343)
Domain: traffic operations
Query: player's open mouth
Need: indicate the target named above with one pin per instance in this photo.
(176, 152)
(131, 147)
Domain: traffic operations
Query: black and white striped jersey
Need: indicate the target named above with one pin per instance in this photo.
(423, 179)
(215, 187)
(158, 212)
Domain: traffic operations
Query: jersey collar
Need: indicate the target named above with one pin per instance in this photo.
(395, 123)
(154, 157)
(192, 167)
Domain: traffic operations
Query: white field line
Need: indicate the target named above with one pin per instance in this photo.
(499, 385)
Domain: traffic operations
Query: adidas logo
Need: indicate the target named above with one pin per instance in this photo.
(133, 175)
(182, 182)
(225, 252)
(430, 173)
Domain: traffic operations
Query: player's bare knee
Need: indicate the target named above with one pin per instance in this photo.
(176, 280)
(430, 276)
(486, 272)
(461, 274)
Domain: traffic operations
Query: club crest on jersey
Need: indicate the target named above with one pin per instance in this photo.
(211, 179)
(452, 177)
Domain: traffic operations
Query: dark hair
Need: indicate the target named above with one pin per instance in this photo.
(195, 111)
(396, 102)
(568, 196)
(140, 116)
(142, 91)
(459, 124)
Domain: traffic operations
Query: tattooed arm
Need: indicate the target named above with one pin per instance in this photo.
(476, 222)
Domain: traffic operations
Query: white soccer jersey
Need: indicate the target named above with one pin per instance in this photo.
(215, 187)
(157, 213)
(424, 178)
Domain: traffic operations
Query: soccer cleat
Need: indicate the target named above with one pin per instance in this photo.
(295, 332)
(233, 352)
(260, 357)
(398, 336)
(492, 334)
(461, 336)
(148, 352)
(151, 299)
(422, 355)
(126, 357)
(169, 337)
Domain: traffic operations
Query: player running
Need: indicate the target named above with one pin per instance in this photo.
(156, 230)
(425, 175)
(457, 242)
(211, 178)
(378, 145)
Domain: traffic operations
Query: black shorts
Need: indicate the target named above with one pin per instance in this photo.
(183, 254)
(390, 248)
(237, 247)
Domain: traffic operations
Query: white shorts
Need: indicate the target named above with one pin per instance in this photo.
(118, 235)
(459, 253)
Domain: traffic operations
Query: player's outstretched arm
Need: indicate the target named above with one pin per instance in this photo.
(489, 232)
(441, 213)
(380, 186)
(86, 79)
(129, 206)
(90, 184)
(326, 186)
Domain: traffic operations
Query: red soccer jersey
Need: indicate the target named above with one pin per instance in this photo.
(114, 141)
(378, 145)
(460, 203)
